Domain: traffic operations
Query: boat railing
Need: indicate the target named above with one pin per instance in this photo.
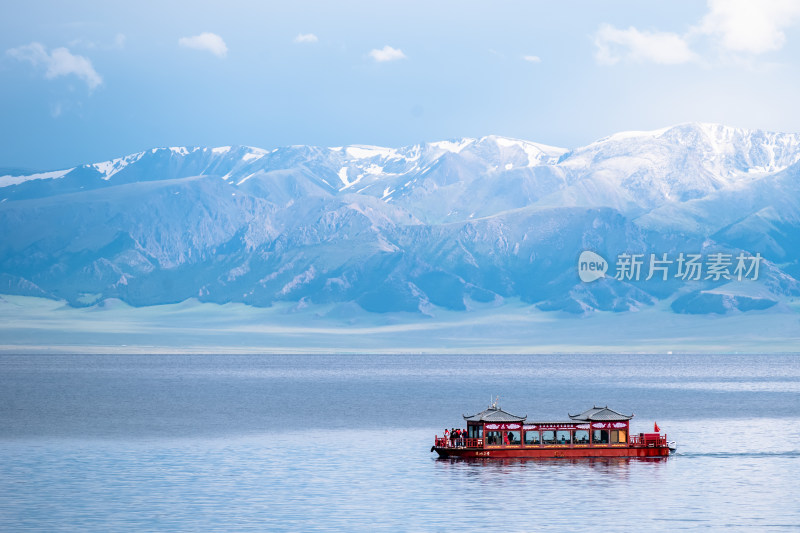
(458, 443)
(649, 440)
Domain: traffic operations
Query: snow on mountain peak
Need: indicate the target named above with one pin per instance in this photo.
(179, 150)
(739, 150)
(109, 168)
(647, 167)
(630, 135)
(8, 180)
(724, 148)
(357, 151)
(678, 163)
(253, 153)
(537, 153)
(454, 146)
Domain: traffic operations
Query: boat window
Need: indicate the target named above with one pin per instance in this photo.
(563, 436)
(619, 436)
(600, 436)
(532, 438)
(475, 432)
(581, 436)
(549, 437)
(513, 437)
(494, 438)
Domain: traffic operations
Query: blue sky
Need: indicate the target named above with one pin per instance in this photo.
(92, 80)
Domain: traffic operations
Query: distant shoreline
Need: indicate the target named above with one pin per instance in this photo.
(30, 325)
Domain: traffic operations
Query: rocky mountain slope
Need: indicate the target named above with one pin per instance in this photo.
(456, 224)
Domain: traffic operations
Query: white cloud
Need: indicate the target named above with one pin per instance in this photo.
(306, 38)
(209, 42)
(613, 45)
(119, 40)
(59, 62)
(387, 54)
(736, 27)
(748, 26)
(532, 59)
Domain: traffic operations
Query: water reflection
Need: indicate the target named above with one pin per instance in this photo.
(591, 462)
(557, 470)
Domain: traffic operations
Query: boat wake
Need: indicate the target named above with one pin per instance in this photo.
(723, 455)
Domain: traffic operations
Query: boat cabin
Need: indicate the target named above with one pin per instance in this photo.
(596, 427)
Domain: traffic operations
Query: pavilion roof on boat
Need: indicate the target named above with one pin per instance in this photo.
(600, 414)
(494, 414)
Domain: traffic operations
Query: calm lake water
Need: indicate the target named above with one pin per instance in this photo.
(299, 443)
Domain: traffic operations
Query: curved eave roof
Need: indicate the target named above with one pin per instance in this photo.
(601, 414)
(494, 415)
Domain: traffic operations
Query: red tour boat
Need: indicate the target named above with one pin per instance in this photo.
(598, 432)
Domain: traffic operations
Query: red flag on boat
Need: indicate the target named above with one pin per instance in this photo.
(655, 427)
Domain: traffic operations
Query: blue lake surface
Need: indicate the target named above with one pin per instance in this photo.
(304, 443)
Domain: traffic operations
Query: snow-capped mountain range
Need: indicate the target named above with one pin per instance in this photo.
(454, 224)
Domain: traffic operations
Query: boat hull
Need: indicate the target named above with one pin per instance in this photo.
(551, 453)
